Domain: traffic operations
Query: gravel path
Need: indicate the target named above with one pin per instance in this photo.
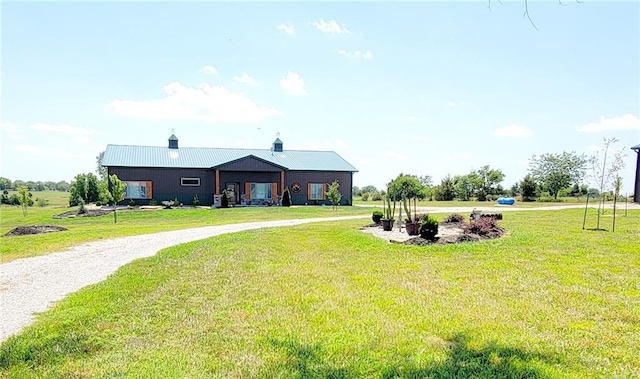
(30, 285)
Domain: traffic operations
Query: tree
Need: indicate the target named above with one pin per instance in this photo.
(605, 169)
(445, 191)
(333, 194)
(463, 187)
(528, 188)
(557, 171)
(355, 191)
(5, 184)
(406, 187)
(78, 189)
(100, 169)
(25, 199)
(92, 188)
(370, 189)
(487, 181)
(117, 189)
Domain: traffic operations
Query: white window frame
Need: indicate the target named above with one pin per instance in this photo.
(141, 189)
(314, 190)
(189, 185)
(254, 191)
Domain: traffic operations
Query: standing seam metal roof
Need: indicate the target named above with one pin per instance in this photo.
(204, 157)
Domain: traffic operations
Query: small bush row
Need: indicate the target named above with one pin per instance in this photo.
(453, 218)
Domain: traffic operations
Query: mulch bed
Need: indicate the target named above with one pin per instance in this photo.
(88, 213)
(34, 229)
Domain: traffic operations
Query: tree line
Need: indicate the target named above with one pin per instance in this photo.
(7, 184)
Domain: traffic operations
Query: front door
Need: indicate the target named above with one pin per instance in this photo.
(233, 188)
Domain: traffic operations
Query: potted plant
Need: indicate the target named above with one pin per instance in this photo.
(405, 188)
(388, 220)
(377, 216)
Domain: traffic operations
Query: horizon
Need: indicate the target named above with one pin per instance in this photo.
(421, 88)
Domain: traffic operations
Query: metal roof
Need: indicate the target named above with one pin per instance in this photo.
(206, 157)
(636, 148)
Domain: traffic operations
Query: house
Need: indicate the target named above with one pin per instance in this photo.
(636, 196)
(250, 176)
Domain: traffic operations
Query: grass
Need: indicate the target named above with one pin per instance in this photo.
(478, 204)
(325, 300)
(134, 222)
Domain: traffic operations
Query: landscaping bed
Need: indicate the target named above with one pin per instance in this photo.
(34, 229)
(87, 213)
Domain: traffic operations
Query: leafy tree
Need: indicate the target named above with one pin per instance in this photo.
(406, 187)
(514, 190)
(5, 184)
(356, 191)
(117, 190)
(369, 188)
(92, 188)
(100, 169)
(557, 171)
(487, 181)
(528, 188)
(78, 189)
(333, 194)
(62, 186)
(25, 198)
(463, 187)
(446, 190)
(5, 197)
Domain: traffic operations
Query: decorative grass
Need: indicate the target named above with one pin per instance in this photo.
(327, 301)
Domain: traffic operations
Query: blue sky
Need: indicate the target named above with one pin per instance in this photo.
(420, 88)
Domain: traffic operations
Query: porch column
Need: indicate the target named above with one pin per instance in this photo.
(281, 182)
(217, 182)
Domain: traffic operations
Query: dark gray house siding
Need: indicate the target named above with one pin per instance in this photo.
(304, 177)
(249, 164)
(166, 184)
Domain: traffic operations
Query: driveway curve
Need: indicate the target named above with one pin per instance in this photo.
(30, 285)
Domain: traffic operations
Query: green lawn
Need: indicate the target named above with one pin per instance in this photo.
(133, 222)
(327, 301)
(477, 204)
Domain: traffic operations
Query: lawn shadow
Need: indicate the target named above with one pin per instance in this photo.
(490, 361)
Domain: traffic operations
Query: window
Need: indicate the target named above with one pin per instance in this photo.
(261, 191)
(138, 190)
(316, 191)
(190, 182)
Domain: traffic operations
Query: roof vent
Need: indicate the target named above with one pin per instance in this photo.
(173, 142)
(277, 146)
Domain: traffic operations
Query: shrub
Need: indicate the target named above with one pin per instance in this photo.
(452, 218)
(377, 216)
(429, 228)
(42, 202)
(484, 226)
(168, 204)
(365, 196)
(376, 196)
(14, 199)
(286, 198)
(132, 203)
(224, 202)
(196, 201)
(153, 202)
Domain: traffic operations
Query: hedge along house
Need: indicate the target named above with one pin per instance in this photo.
(250, 176)
(636, 193)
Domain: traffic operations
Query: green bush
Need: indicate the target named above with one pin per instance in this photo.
(153, 202)
(196, 201)
(286, 198)
(429, 228)
(14, 199)
(365, 196)
(377, 216)
(42, 202)
(81, 208)
(376, 196)
(132, 203)
(224, 202)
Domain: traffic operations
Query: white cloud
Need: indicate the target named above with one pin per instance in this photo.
(452, 104)
(512, 130)
(11, 130)
(626, 122)
(287, 28)
(393, 155)
(32, 149)
(247, 79)
(412, 118)
(203, 103)
(209, 70)
(293, 84)
(65, 129)
(356, 54)
(331, 27)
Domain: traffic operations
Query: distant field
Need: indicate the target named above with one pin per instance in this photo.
(327, 301)
(56, 198)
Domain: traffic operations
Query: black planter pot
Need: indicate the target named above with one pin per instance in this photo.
(387, 224)
(412, 228)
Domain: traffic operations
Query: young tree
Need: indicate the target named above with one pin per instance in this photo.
(463, 187)
(92, 188)
(78, 189)
(557, 171)
(333, 194)
(117, 189)
(605, 170)
(25, 198)
(446, 190)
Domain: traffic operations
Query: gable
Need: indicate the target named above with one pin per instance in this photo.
(250, 163)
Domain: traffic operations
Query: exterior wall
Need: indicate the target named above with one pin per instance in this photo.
(166, 183)
(304, 177)
(636, 196)
(244, 177)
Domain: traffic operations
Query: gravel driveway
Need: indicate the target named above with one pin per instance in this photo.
(30, 285)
